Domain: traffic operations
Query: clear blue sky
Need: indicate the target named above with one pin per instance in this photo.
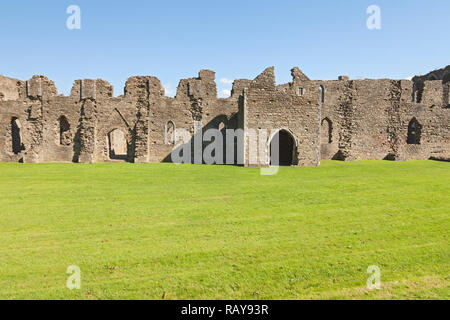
(237, 39)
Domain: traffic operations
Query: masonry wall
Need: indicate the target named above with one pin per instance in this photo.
(293, 108)
(341, 119)
(194, 109)
(142, 114)
(370, 120)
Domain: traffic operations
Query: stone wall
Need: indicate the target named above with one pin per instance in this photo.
(370, 119)
(341, 119)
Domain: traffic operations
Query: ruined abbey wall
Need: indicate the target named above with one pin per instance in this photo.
(371, 119)
(342, 119)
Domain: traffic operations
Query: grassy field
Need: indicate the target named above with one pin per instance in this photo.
(156, 231)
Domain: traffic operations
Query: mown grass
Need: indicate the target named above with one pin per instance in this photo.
(220, 232)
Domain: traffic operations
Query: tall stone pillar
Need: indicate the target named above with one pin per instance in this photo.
(148, 92)
(39, 89)
(141, 134)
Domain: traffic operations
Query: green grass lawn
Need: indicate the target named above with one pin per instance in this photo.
(144, 231)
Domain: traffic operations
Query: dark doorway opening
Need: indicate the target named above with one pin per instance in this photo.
(414, 132)
(285, 149)
(65, 138)
(16, 136)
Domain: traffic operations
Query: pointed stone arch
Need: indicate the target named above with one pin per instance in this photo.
(446, 77)
(119, 138)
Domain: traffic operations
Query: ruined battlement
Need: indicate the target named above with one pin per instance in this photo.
(341, 119)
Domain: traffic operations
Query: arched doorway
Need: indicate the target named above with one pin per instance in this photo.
(282, 149)
(16, 136)
(414, 132)
(118, 145)
(446, 77)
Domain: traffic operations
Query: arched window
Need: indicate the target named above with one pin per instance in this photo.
(65, 137)
(169, 133)
(326, 131)
(321, 94)
(118, 145)
(16, 136)
(414, 132)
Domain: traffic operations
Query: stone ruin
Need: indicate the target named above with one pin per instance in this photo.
(342, 119)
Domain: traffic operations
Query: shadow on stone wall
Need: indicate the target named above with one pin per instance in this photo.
(339, 156)
(215, 123)
(77, 145)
